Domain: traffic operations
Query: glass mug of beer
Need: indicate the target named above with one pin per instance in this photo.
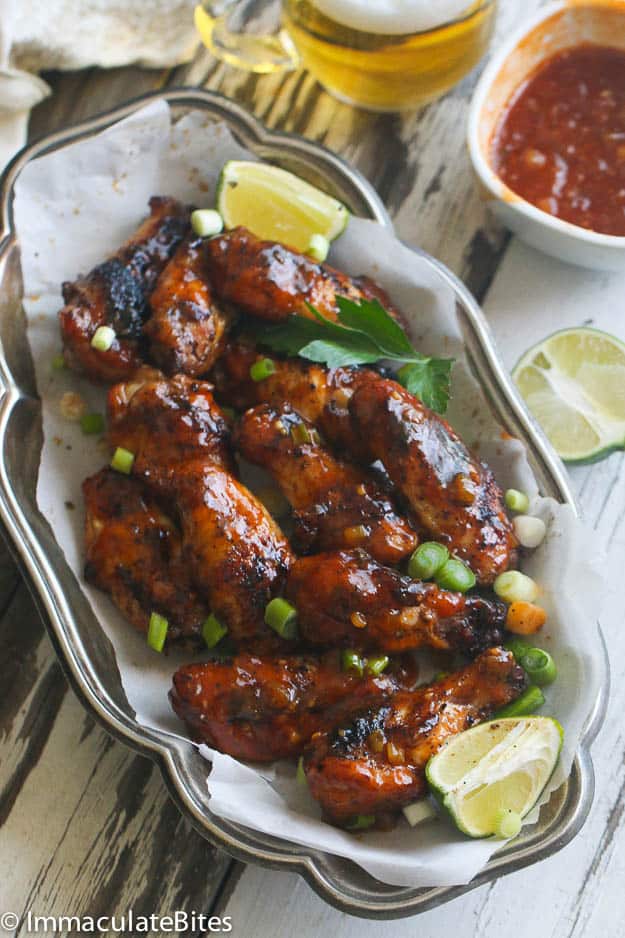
(382, 55)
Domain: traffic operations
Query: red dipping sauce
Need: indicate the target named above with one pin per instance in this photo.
(561, 143)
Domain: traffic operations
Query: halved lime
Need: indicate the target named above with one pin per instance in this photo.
(574, 384)
(494, 770)
(277, 205)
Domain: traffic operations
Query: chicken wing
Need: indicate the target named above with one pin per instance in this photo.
(454, 497)
(270, 281)
(116, 294)
(347, 598)
(336, 505)
(265, 708)
(187, 327)
(316, 393)
(134, 553)
(375, 764)
(165, 421)
(236, 553)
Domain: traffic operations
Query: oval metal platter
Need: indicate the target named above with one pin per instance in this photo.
(86, 654)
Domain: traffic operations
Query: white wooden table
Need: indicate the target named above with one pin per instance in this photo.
(86, 827)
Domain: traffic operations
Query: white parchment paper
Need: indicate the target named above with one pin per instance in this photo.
(76, 205)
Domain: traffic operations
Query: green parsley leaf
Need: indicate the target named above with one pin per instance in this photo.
(339, 355)
(370, 317)
(364, 333)
(429, 381)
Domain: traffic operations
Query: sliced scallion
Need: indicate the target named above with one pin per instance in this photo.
(206, 222)
(377, 664)
(263, 368)
(157, 631)
(103, 338)
(281, 616)
(122, 460)
(92, 423)
(352, 661)
(361, 822)
(213, 631)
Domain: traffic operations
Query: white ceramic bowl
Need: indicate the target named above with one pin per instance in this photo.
(557, 26)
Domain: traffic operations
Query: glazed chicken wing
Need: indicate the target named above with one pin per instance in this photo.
(134, 553)
(116, 294)
(235, 551)
(165, 421)
(347, 598)
(187, 328)
(375, 764)
(237, 554)
(318, 394)
(265, 708)
(270, 281)
(336, 505)
(453, 496)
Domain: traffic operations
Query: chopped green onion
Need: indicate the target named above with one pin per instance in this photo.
(103, 338)
(440, 676)
(419, 811)
(361, 822)
(508, 823)
(530, 532)
(302, 435)
(455, 575)
(539, 665)
(263, 368)
(427, 559)
(206, 222)
(514, 586)
(213, 631)
(352, 661)
(377, 665)
(58, 362)
(528, 703)
(281, 616)
(318, 247)
(300, 775)
(517, 647)
(517, 501)
(92, 423)
(122, 460)
(157, 631)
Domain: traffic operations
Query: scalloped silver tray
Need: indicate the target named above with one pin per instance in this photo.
(86, 654)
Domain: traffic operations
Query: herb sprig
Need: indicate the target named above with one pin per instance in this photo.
(364, 333)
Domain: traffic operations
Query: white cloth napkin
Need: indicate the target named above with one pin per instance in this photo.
(67, 34)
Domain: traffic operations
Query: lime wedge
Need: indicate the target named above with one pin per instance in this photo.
(494, 770)
(574, 384)
(276, 205)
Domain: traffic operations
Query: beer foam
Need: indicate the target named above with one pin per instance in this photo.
(393, 17)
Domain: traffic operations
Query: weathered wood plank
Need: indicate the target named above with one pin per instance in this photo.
(88, 825)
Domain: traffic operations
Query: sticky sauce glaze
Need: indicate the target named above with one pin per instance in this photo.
(561, 143)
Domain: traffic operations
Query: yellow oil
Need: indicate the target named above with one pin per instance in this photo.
(388, 72)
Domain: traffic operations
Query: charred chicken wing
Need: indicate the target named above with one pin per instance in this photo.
(116, 294)
(271, 281)
(374, 764)
(453, 496)
(265, 708)
(187, 328)
(347, 598)
(134, 553)
(336, 505)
